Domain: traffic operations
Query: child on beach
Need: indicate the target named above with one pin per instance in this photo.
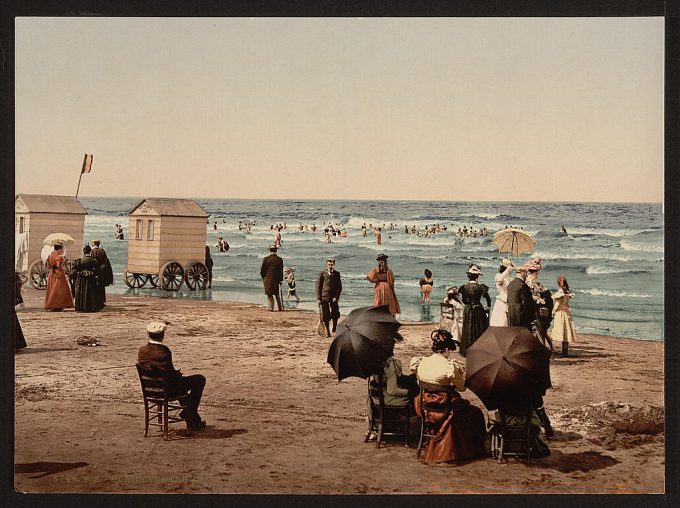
(290, 279)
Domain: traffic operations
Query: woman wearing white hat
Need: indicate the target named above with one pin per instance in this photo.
(475, 317)
(499, 314)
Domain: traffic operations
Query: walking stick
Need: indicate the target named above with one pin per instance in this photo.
(281, 296)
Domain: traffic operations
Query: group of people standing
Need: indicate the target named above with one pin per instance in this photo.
(524, 301)
(84, 286)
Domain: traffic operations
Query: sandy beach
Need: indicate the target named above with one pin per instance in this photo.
(279, 421)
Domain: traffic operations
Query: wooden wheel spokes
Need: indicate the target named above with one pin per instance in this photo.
(134, 280)
(197, 276)
(68, 266)
(37, 274)
(172, 275)
(153, 279)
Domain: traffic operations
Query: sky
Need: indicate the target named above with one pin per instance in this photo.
(455, 109)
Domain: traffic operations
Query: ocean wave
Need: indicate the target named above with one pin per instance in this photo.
(603, 231)
(609, 270)
(552, 256)
(640, 246)
(618, 294)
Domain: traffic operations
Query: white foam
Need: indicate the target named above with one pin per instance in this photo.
(640, 246)
(618, 294)
(607, 270)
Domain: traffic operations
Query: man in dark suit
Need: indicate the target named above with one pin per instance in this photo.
(271, 272)
(104, 267)
(157, 356)
(328, 289)
(521, 306)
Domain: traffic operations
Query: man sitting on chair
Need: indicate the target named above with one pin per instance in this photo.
(157, 356)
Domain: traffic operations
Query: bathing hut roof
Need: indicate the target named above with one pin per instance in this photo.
(173, 207)
(47, 203)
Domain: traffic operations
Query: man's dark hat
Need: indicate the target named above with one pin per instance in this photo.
(381, 256)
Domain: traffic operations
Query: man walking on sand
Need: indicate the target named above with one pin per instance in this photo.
(328, 289)
(157, 356)
(271, 272)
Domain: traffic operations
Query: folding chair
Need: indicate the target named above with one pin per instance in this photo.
(511, 439)
(385, 420)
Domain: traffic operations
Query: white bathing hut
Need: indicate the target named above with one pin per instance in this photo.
(166, 244)
(38, 215)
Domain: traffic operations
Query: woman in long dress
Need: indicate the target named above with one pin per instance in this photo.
(461, 432)
(453, 315)
(475, 317)
(499, 314)
(58, 295)
(383, 293)
(88, 278)
(563, 325)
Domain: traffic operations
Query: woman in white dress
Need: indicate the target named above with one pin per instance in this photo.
(563, 325)
(499, 313)
(455, 314)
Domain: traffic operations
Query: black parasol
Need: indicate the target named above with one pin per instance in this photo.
(363, 341)
(507, 368)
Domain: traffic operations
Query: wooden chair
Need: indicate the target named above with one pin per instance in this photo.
(383, 416)
(160, 405)
(511, 439)
(429, 429)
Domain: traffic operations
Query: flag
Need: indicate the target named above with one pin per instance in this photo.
(87, 164)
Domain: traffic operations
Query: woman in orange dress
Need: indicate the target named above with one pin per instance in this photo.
(58, 295)
(383, 294)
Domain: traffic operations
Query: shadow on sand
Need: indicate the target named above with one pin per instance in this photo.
(572, 462)
(211, 432)
(47, 468)
(30, 350)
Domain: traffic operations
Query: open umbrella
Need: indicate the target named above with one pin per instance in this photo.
(507, 367)
(58, 239)
(513, 241)
(363, 341)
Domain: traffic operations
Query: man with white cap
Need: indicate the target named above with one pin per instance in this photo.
(328, 289)
(157, 356)
(271, 272)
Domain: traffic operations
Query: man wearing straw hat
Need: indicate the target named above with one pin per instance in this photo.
(271, 272)
(328, 289)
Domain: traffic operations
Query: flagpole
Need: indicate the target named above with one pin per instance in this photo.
(79, 179)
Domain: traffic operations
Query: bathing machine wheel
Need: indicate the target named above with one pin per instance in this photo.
(171, 276)
(134, 280)
(37, 274)
(197, 276)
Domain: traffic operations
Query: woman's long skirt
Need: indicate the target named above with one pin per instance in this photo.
(475, 323)
(87, 298)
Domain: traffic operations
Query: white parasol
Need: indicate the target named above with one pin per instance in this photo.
(513, 241)
(58, 239)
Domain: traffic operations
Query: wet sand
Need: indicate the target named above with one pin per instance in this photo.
(278, 420)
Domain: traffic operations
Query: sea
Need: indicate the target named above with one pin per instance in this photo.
(612, 254)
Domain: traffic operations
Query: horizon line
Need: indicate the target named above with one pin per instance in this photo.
(379, 200)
